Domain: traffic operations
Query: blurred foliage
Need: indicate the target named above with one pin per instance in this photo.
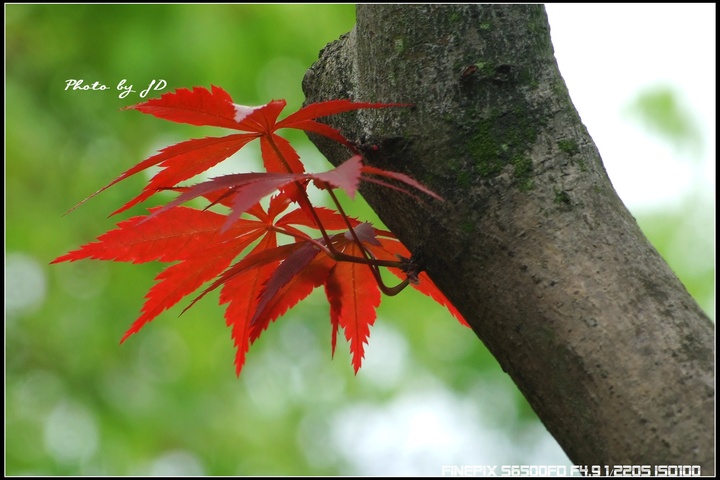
(662, 113)
(167, 402)
(660, 109)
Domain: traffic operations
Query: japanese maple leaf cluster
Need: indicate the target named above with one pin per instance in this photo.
(262, 259)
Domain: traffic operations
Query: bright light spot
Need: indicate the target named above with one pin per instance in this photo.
(605, 70)
(266, 381)
(413, 435)
(241, 111)
(418, 433)
(37, 392)
(494, 393)
(177, 463)
(537, 447)
(292, 369)
(299, 342)
(26, 284)
(71, 433)
(315, 441)
(385, 362)
(692, 231)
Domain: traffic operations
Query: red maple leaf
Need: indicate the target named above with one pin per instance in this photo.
(268, 277)
(354, 295)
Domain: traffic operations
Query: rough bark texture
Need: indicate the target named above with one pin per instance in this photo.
(532, 243)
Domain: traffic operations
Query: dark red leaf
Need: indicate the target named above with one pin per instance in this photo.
(251, 187)
(325, 130)
(250, 262)
(365, 233)
(299, 287)
(346, 176)
(293, 264)
(400, 177)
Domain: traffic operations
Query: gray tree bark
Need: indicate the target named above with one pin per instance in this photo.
(531, 244)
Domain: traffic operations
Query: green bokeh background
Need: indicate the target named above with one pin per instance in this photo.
(167, 401)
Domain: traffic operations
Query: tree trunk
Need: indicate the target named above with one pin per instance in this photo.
(532, 244)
